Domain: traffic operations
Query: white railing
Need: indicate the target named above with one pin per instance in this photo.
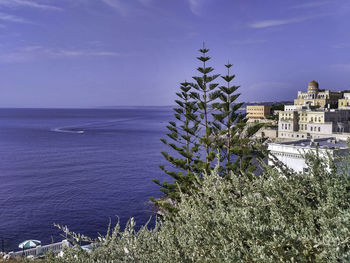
(41, 250)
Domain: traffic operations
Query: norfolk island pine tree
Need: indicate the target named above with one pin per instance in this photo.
(206, 126)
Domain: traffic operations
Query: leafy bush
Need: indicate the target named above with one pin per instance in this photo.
(272, 218)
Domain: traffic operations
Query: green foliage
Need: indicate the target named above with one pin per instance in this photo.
(233, 135)
(276, 107)
(211, 126)
(184, 136)
(314, 107)
(274, 218)
(273, 111)
(205, 93)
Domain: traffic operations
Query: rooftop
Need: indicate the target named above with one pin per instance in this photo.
(323, 143)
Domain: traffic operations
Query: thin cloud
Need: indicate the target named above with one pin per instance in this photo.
(146, 2)
(194, 6)
(118, 5)
(271, 23)
(293, 20)
(104, 54)
(128, 8)
(311, 5)
(27, 3)
(12, 18)
(30, 53)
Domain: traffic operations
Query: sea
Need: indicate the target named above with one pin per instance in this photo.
(80, 168)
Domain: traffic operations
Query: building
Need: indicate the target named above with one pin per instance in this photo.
(292, 153)
(296, 107)
(316, 97)
(258, 111)
(344, 103)
(288, 123)
(322, 123)
(313, 115)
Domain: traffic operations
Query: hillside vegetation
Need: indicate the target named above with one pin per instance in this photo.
(272, 218)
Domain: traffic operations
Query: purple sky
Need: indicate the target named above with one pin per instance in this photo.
(86, 53)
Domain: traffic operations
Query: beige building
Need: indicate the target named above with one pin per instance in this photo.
(344, 103)
(258, 111)
(304, 124)
(316, 97)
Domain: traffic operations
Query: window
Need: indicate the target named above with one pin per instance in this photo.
(311, 128)
(319, 129)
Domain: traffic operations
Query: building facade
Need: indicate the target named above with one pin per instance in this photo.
(321, 123)
(344, 103)
(258, 111)
(296, 107)
(316, 97)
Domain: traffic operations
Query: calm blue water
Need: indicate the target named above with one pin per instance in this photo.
(77, 167)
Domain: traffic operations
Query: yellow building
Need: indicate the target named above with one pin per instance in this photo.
(258, 111)
(316, 97)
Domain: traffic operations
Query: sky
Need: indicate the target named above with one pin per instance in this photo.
(93, 53)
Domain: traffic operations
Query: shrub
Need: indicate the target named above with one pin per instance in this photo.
(274, 218)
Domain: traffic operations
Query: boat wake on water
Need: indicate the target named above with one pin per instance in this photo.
(79, 129)
(66, 130)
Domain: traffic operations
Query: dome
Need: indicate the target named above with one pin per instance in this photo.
(313, 86)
